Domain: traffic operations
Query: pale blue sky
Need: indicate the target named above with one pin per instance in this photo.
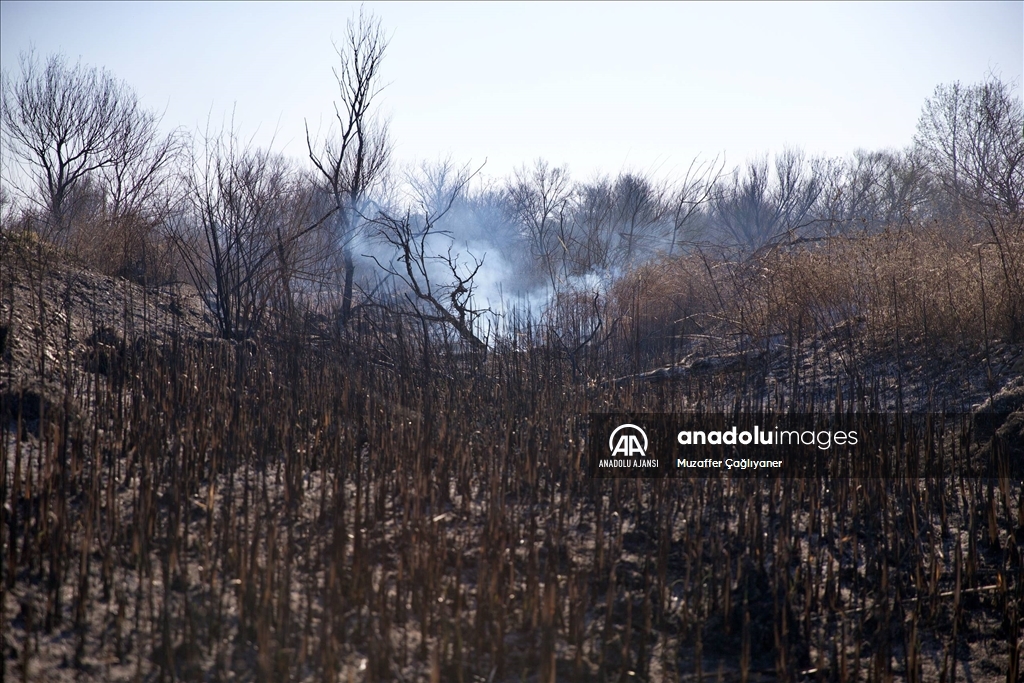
(601, 87)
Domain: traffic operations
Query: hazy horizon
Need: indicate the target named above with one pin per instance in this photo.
(601, 88)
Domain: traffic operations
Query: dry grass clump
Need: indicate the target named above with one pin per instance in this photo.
(933, 285)
(129, 248)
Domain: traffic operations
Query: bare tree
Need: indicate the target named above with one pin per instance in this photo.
(66, 122)
(138, 195)
(973, 137)
(639, 212)
(589, 230)
(871, 190)
(438, 285)
(300, 241)
(96, 163)
(941, 132)
(354, 156)
(593, 214)
(759, 206)
(236, 230)
(539, 198)
(690, 196)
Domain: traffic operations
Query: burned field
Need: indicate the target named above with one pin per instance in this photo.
(389, 504)
(311, 409)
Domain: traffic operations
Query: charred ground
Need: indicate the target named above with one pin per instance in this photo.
(389, 504)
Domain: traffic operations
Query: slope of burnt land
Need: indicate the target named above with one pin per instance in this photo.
(61, 322)
(177, 507)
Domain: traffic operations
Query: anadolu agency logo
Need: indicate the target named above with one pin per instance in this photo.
(628, 446)
(628, 443)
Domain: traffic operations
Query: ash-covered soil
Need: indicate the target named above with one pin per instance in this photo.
(59, 318)
(834, 370)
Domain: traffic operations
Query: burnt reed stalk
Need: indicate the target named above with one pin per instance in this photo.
(385, 503)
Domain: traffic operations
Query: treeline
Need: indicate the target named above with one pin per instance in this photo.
(266, 238)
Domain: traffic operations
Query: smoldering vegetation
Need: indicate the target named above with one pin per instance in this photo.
(265, 423)
(394, 505)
